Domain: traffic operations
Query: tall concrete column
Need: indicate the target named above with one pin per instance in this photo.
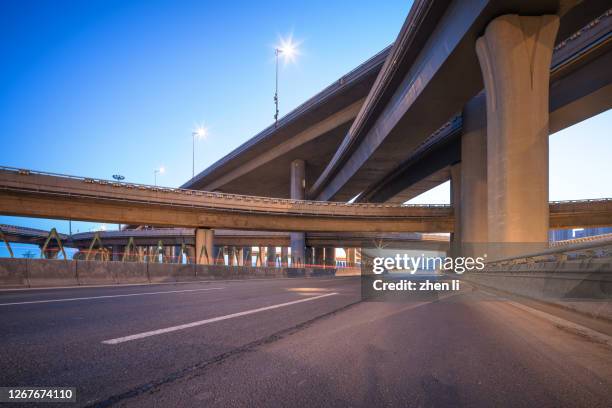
(246, 256)
(455, 200)
(319, 256)
(330, 257)
(350, 256)
(473, 212)
(308, 256)
(284, 256)
(515, 54)
(271, 256)
(168, 254)
(298, 186)
(261, 260)
(204, 246)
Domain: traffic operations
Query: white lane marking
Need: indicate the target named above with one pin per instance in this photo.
(105, 297)
(206, 321)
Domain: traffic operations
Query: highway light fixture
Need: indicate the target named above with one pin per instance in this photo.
(200, 133)
(160, 170)
(288, 50)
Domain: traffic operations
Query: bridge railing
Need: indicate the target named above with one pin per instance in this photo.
(595, 248)
(218, 195)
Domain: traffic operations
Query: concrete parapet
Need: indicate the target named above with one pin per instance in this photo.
(583, 286)
(130, 272)
(96, 273)
(171, 272)
(17, 273)
(13, 273)
(51, 272)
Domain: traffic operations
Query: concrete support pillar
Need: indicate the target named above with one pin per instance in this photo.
(319, 256)
(168, 254)
(473, 210)
(246, 256)
(298, 186)
(261, 259)
(204, 246)
(271, 256)
(515, 54)
(330, 257)
(351, 258)
(284, 257)
(455, 200)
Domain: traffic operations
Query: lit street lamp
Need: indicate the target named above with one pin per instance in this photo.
(160, 170)
(289, 51)
(201, 132)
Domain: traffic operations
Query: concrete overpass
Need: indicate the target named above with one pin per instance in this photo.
(437, 38)
(35, 194)
(398, 146)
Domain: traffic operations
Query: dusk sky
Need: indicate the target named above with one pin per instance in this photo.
(96, 88)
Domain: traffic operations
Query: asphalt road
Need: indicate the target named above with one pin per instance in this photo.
(295, 342)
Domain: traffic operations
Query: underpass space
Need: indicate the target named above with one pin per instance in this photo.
(61, 342)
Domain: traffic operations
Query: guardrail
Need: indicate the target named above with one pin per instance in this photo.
(601, 248)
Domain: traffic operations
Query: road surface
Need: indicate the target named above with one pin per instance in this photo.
(296, 342)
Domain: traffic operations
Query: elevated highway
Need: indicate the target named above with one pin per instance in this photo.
(437, 38)
(37, 194)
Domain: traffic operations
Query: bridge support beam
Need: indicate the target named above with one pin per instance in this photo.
(271, 256)
(204, 246)
(472, 213)
(515, 55)
(297, 185)
(284, 256)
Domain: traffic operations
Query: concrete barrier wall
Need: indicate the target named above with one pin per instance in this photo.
(95, 273)
(171, 272)
(13, 273)
(585, 287)
(51, 272)
(16, 273)
(130, 272)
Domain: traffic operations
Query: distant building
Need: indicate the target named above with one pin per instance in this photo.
(565, 234)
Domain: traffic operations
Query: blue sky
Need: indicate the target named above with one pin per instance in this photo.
(96, 88)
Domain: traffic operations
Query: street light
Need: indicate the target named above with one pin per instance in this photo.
(289, 50)
(201, 132)
(160, 170)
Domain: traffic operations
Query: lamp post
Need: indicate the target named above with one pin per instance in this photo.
(160, 170)
(201, 132)
(289, 50)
